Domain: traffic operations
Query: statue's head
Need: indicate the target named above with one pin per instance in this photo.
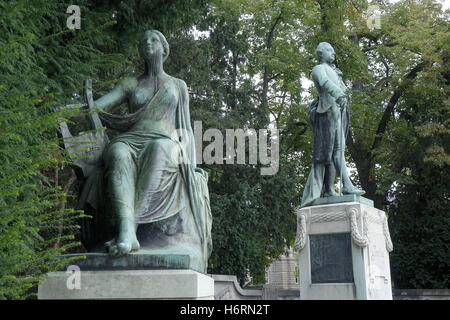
(325, 52)
(151, 42)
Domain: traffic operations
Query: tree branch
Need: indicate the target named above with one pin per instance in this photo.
(393, 102)
(266, 67)
(62, 207)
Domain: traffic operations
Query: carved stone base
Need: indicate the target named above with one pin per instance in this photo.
(343, 252)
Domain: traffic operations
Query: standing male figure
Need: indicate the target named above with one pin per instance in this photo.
(329, 119)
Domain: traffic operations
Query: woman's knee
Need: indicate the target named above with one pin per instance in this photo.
(162, 146)
(118, 153)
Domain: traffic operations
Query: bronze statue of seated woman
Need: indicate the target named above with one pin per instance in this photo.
(147, 194)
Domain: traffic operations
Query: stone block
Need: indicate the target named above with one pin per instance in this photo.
(128, 284)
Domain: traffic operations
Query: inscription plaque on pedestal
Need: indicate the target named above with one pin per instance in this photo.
(331, 258)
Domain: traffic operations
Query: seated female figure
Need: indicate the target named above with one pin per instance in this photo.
(149, 177)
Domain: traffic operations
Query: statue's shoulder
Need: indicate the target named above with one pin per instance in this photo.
(129, 84)
(320, 72)
(319, 68)
(180, 83)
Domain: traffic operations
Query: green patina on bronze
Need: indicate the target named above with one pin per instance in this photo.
(146, 194)
(329, 119)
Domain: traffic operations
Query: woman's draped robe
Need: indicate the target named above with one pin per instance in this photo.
(161, 167)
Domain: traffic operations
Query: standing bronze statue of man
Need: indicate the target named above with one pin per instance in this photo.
(329, 119)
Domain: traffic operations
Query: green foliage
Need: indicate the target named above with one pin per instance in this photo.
(419, 206)
(39, 60)
(254, 220)
(419, 223)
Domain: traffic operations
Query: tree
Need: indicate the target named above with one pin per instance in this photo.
(419, 206)
(30, 202)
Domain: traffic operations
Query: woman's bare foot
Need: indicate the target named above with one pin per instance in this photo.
(125, 243)
(125, 246)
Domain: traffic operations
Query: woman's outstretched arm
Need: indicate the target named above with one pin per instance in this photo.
(116, 96)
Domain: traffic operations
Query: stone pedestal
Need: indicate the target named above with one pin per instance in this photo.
(135, 276)
(343, 251)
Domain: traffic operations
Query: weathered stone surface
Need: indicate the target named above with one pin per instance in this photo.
(129, 284)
